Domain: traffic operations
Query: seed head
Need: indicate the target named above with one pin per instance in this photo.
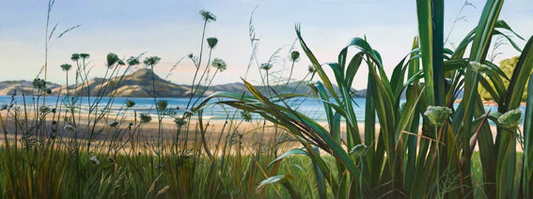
(437, 115)
(39, 83)
(511, 119)
(130, 103)
(44, 109)
(112, 59)
(113, 124)
(478, 67)
(212, 41)
(266, 66)
(94, 160)
(151, 61)
(84, 56)
(246, 115)
(75, 57)
(162, 105)
(66, 67)
(219, 64)
(145, 118)
(132, 61)
(295, 55)
(208, 16)
(311, 69)
(180, 122)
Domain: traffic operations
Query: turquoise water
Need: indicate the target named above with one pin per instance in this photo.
(308, 106)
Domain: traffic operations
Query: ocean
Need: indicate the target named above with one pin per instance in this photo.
(308, 106)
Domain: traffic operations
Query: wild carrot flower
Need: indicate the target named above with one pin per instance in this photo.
(130, 103)
(162, 105)
(75, 57)
(437, 115)
(246, 115)
(151, 61)
(84, 56)
(145, 118)
(312, 84)
(66, 67)
(44, 109)
(113, 124)
(69, 128)
(511, 119)
(180, 122)
(212, 42)
(266, 66)
(208, 16)
(478, 67)
(132, 61)
(295, 55)
(39, 83)
(219, 64)
(95, 160)
(112, 58)
(311, 69)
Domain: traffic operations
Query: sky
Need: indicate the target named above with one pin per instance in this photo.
(172, 29)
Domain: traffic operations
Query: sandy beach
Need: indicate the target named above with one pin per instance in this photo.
(217, 131)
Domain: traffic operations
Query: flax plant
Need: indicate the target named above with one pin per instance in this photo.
(405, 158)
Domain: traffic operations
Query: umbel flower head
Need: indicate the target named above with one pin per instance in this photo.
(246, 116)
(66, 67)
(266, 66)
(478, 67)
(295, 55)
(208, 16)
(437, 115)
(39, 83)
(112, 58)
(145, 118)
(219, 64)
(113, 124)
(84, 56)
(44, 109)
(132, 61)
(162, 105)
(130, 103)
(311, 69)
(75, 57)
(94, 160)
(151, 61)
(180, 122)
(511, 119)
(212, 41)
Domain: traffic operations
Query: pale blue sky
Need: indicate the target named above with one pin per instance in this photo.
(172, 29)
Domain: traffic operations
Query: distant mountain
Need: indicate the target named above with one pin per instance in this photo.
(21, 86)
(139, 84)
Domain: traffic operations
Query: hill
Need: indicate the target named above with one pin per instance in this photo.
(139, 84)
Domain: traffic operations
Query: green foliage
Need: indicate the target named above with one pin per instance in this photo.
(507, 66)
(403, 159)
